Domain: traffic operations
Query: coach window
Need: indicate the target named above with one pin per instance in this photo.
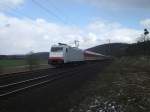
(66, 50)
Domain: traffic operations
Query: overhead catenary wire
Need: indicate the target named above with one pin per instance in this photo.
(12, 11)
(48, 10)
(51, 3)
(42, 6)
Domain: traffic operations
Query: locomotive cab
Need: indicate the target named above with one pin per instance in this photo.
(56, 55)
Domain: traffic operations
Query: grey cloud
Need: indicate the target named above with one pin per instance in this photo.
(10, 4)
(38, 35)
(145, 23)
(120, 3)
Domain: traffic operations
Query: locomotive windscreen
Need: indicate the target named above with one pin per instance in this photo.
(56, 49)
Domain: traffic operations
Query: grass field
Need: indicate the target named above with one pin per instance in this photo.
(13, 62)
(14, 65)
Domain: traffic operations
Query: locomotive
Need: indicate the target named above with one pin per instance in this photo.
(63, 54)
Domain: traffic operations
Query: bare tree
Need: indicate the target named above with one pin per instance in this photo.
(1, 69)
(144, 37)
(32, 61)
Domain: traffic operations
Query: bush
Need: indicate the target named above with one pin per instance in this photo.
(139, 49)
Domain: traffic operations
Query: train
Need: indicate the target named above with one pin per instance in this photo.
(64, 54)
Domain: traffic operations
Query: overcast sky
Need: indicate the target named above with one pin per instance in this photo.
(35, 25)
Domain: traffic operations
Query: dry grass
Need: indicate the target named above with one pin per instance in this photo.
(122, 87)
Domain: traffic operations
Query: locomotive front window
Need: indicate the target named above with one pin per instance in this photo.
(56, 49)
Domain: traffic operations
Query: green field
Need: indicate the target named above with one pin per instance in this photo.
(13, 62)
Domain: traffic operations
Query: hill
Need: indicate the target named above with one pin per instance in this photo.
(42, 55)
(39, 55)
(114, 49)
(140, 48)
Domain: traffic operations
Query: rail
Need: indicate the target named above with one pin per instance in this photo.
(19, 86)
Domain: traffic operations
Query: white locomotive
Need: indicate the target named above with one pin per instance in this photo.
(62, 54)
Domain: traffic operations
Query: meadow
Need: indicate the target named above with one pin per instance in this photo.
(18, 65)
(12, 62)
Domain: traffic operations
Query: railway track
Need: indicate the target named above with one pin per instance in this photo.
(15, 77)
(18, 86)
(8, 75)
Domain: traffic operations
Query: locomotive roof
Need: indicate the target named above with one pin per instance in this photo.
(65, 45)
(93, 53)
